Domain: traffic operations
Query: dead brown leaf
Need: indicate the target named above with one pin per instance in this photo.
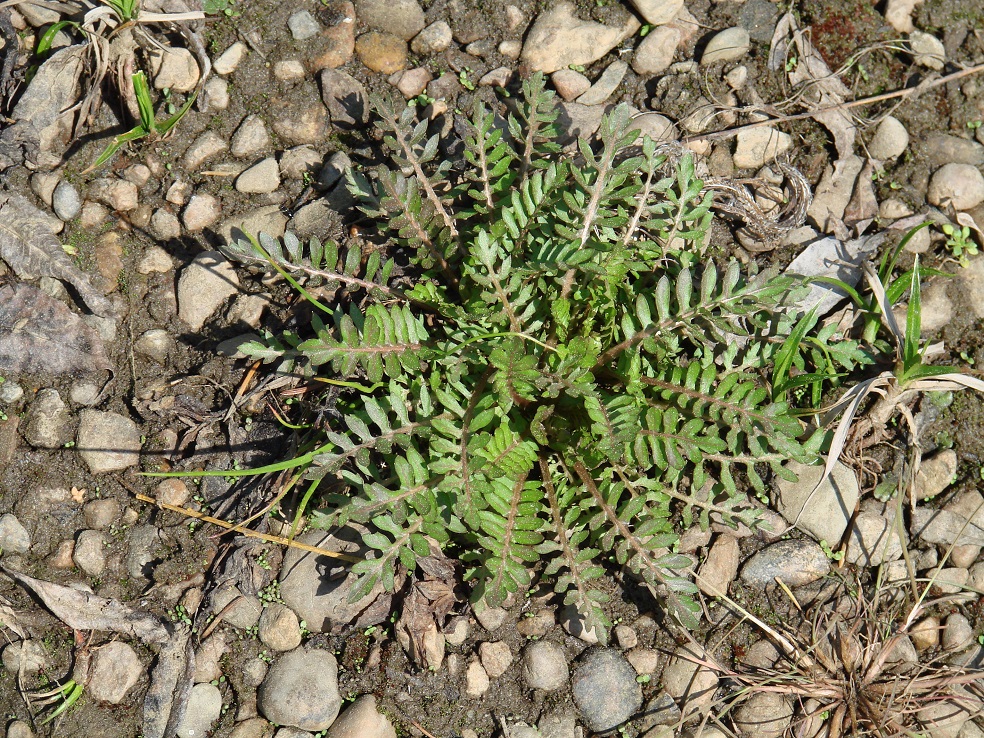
(84, 611)
(30, 248)
(39, 334)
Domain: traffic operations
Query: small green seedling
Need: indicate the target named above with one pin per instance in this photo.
(959, 242)
(148, 126)
(64, 696)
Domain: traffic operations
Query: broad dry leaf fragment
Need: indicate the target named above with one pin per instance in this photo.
(171, 680)
(52, 92)
(83, 611)
(40, 335)
(30, 248)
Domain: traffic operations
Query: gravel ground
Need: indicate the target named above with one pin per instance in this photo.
(169, 627)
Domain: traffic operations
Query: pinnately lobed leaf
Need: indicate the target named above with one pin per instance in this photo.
(567, 373)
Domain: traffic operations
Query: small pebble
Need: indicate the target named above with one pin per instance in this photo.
(476, 680)
(958, 185)
(727, 45)
(303, 25)
(569, 84)
(496, 658)
(382, 52)
(890, 140)
(230, 59)
(432, 40)
(260, 178)
(250, 138)
(927, 50)
(65, 201)
(545, 666)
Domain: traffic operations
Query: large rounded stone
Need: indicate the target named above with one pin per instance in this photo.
(605, 689)
(301, 690)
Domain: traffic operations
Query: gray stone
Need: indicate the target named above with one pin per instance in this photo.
(958, 185)
(606, 84)
(205, 284)
(108, 441)
(174, 69)
(250, 138)
(756, 147)
(658, 12)
(217, 94)
(943, 148)
(302, 25)
(179, 192)
(334, 169)
(644, 660)
(14, 537)
(18, 728)
(727, 45)
(828, 509)
(361, 720)
(84, 393)
(558, 39)
(48, 423)
(945, 718)
(626, 636)
(10, 392)
(116, 194)
(143, 544)
(605, 689)
(688, 683)
(345, 98)
(289, 70)
(100, 514)
(307, 124)
(261, 178)
(719, 568)
(203, 710)
(29, 655)
(90, 552)
(795, 562)
(890, 140)
(204, 147)
(252, 728)
(496, 658)
(490, 618)
(498, 77)
(299, 161)
(65, 201)
(935, 475)
(958, 633)
(166, 226)
(545, 666)
(456, 631)
(114, 670)
(659, 710)
(655, 52)
(927, 50)
(658, 127)
(244, 610)
(317, 587)
(402, 18)
(764, 715)
(432, 40)
(873, 540)
(301, 690)
(559, 725)
(230, 59)
(155, 343)
(950, 580)
(201, 212)
(269, 219)
(279, 628)
(578, 121)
